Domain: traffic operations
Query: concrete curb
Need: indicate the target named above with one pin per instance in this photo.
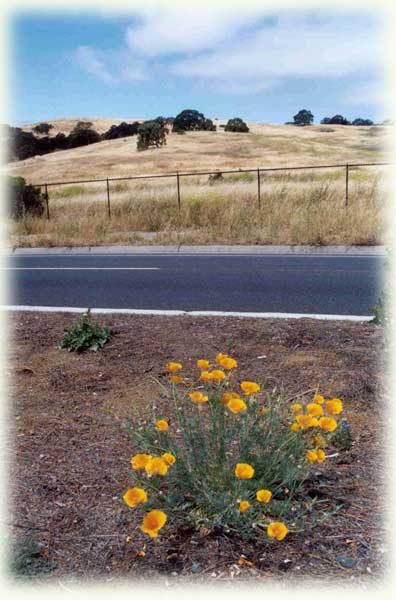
(180, 313)
(215, 249)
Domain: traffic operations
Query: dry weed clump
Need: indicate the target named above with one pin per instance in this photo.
(218, 458)
(303, 208)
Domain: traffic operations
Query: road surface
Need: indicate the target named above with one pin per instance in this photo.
(308, 284)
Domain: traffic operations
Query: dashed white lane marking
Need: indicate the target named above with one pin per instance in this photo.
(193, 313)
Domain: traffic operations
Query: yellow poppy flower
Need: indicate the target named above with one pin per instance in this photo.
(244, 471)
(169, 458)
(139, 461)
(249, 388)
(162, 425)
(327, 423)
(334, 407)
(198, 397)
(236, 405)
(206, 376)
(243, 506)
(156, 466)
(218, 375)
(227, 396)
(311, 456)
(277, 530)
(306, 421)
(264, 496)
(134, 496)
(153, 522)
(176, 378)
(296, 408)
(321, 456)
(221, 357)
(315, 410)
(203, 364)
(318, 399)
(228, 363)
(296, 427)
(172, 367)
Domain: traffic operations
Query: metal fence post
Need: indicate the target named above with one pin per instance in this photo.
(258, 188)
(346, 185)
(108, 197)
(46, 201)
(178, 191)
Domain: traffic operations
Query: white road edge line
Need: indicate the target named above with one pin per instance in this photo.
(206, 254)
(193, 313)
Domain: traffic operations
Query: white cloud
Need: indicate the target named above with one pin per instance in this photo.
(238, 49)
(188, 28)
(369, 92)
(89, 60)
(293, 47)
(110, 66)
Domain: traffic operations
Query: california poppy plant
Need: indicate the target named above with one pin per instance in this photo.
(153, 522)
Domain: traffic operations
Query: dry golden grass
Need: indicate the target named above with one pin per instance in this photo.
(263, 146)
(304, 207)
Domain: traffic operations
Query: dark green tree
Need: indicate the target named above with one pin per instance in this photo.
(236, 125)
(192, 120)
(122, 130)
(336, 120)
(362, 122)
(303, 117)
(82, 135)
(151, 133)
(43, 128)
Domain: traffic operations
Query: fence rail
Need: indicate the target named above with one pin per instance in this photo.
(177, 175)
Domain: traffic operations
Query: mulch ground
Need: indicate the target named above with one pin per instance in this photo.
(72, 455)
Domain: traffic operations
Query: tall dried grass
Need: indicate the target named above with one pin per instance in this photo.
(296, 208)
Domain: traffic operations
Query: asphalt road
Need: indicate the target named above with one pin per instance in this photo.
(338, 285)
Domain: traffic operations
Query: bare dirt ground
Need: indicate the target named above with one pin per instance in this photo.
(72, 455)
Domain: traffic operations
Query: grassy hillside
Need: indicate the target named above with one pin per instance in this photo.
(298, 207)
(264, 145)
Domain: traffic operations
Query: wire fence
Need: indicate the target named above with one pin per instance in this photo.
(258, 171)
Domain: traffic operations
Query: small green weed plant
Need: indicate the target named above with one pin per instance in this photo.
(26, 560)
(86, 335)
(224, 455)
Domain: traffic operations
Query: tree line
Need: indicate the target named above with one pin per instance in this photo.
(305, 117)
(152, 133)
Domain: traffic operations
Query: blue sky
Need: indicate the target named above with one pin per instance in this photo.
(159, 60)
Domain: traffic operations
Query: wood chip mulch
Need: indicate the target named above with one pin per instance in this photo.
(71, 463)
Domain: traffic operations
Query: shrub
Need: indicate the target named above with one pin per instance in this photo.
(82, 135)
(22, 144)
(43, 128)
(86, 335)
(122, 130)
(236, 125)
(303, 117)
(380, 310)
(362, 122)
(336, 120)
(234, 461)
(151, 133)
(23, 199)
(192, 120)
